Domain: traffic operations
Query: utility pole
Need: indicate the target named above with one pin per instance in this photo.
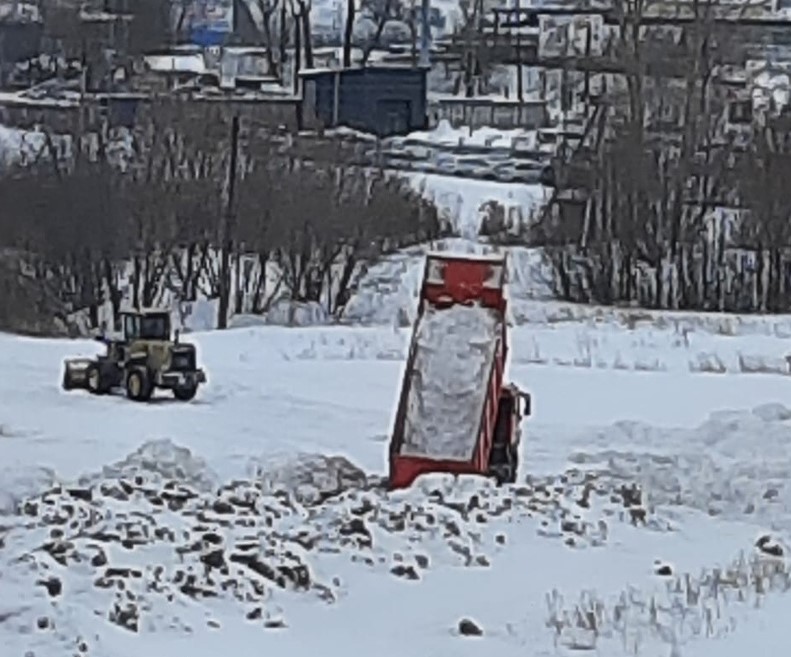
(425, 34)
(520, 92)
(228, 228)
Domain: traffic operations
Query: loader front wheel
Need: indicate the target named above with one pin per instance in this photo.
(185, 393)
(95, 380)
(138, 385)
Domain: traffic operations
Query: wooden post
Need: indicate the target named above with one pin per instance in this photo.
(228, 228)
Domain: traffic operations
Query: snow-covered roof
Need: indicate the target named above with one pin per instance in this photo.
(180, 63)
(88, 16)
(378, 66)
(244, 50)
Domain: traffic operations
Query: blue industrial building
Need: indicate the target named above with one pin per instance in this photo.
(381, 100)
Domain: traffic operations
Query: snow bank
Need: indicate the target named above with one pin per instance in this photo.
(19, 145)
(461, 199)
(682, 322)
(388, 291)
(611, 342)
(19, 482)
(605, 345)
(309, 478)
(290, 313)
(455, 349)
(445, 133)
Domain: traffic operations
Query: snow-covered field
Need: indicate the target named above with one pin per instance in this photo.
(139, 552)
(253, 520)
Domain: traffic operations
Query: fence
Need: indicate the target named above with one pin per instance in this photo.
(478, 112)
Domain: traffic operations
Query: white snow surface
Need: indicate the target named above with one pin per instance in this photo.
(462, 199)
(454, 354)
(445, 133)
(16, 145)
(278, 458)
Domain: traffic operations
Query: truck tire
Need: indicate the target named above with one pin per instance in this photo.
(185, 393)
(513, 466)
(95, 380)
(138, 385)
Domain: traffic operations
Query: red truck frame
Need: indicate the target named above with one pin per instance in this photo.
(466, 280)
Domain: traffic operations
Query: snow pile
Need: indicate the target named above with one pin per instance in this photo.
(454, 354)
(387, 292)
(309, 478)
(149, 555)
(735, 466)
(462, 199)
(567, 344)
(166, 460)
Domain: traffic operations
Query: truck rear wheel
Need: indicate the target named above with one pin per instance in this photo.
(138, 385)
(513, 466)
(505, 471)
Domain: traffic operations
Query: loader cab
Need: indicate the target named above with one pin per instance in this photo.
(153, 326)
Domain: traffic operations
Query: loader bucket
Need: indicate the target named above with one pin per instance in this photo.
(75, 374)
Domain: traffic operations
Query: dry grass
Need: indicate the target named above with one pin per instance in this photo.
(689, 607)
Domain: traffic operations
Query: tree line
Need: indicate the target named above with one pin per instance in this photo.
(675, 196)
(173, 212)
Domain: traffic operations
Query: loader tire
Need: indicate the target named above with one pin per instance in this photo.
(185, 393)
(95, 380)
(138, 385)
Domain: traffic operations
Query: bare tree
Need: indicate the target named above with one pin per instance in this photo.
(149, 26)
(473, 46)
(273, 31)
(167, 224)
(647, 189)
(380, 13)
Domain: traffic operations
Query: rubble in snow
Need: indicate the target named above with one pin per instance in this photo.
(137, 548)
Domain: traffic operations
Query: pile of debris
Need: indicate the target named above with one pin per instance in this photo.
(124, 545)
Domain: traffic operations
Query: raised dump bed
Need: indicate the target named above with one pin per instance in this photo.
(452, 397)
(455, 350)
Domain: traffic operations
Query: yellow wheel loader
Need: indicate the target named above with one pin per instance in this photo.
(143, 359)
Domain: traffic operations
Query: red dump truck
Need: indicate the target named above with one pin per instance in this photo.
(455, 414)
